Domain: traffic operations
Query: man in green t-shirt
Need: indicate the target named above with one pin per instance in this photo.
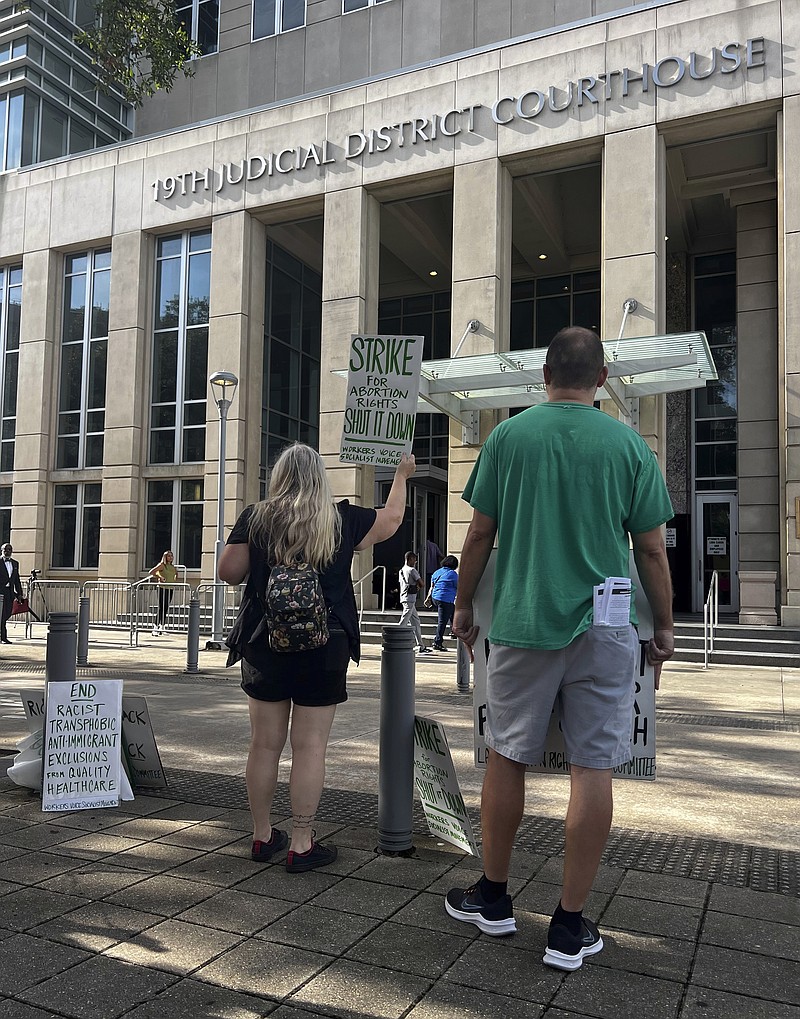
(561, 486)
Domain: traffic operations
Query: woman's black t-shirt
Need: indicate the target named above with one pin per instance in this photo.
(335, 581)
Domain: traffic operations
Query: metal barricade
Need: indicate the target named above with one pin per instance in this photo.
(149, 598)
(110, 605)
(232, 599)
(46, 596)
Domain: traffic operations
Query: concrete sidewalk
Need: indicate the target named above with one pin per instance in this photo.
(155, 909)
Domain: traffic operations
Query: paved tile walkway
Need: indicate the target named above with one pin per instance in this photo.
(155, 911)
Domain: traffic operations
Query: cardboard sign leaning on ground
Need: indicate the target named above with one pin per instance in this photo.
(437, 786)
(382, 390)
(82, 744)
(138, 738)
(643, 723)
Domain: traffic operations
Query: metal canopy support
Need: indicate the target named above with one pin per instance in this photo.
(461, 387)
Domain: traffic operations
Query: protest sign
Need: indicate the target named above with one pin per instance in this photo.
(82, 742)
(382, 391)
(139, 743)
(138, 738)
(437, 786)
(643, 722)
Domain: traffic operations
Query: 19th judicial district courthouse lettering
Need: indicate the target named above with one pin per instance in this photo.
(382, 390)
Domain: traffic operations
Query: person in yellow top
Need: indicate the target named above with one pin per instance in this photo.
(167, 574)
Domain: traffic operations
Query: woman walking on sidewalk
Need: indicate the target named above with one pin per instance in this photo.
(166, 574)
(298, 526)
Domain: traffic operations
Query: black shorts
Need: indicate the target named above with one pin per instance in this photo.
(309, 678)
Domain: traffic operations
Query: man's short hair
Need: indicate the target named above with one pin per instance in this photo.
(575, 358)
(411, 555)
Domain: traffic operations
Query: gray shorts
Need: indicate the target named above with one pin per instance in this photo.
(593, 678)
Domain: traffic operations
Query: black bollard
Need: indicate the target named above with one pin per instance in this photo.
(462, 668)
(62, 642)
(193, 639)
(83, 631)
(396, 751)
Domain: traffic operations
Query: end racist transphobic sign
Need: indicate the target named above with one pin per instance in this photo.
(382, 390)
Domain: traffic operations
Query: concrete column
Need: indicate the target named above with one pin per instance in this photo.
(788, 369)
(350, 277)
(482, 291)
(633, 252)
(350, 265)
(36, 403)
(235, 343)
(757, 369)
(127, 403)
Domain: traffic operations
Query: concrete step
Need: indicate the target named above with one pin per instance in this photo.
(733, 645)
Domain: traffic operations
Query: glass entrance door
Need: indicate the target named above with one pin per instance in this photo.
(717, 548)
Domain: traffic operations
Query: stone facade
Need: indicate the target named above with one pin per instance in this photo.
(622, 89)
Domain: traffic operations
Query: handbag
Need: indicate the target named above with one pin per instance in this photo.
(19, 606)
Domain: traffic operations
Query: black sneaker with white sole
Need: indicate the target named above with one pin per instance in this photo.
(468, 905)
(567, 951)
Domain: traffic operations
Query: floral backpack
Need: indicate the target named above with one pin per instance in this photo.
(294, 610)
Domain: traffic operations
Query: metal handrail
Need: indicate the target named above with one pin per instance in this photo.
(710, 618)
(358, 584)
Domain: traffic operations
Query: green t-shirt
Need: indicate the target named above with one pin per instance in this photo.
(566, 484)
(168, 573)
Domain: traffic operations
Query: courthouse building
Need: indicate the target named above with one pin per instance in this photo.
(395, 166)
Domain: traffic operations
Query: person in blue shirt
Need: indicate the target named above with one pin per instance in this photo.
(442, 593)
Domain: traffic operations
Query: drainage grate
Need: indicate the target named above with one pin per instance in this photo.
(727, 863)
(727, 721)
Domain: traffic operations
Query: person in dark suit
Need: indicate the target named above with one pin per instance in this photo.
(10, 587)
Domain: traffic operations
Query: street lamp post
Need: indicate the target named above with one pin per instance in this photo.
(223, 388)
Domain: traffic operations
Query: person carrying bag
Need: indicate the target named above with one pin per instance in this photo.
(296, 633)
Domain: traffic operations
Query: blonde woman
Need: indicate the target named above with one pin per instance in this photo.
(297, 692)
(166, 574)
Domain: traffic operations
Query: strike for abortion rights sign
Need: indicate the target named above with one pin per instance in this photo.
(382, 390)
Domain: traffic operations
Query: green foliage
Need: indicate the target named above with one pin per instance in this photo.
(138, 47)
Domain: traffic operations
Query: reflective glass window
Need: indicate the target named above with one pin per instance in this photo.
(84, 351)
(10, 307)
(180, 348)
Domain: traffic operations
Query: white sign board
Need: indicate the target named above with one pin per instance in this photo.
(83, 729)
(670, 537)
(382, 391)
(437, 786)
(138, 738)
(643, 723)
(716, 546)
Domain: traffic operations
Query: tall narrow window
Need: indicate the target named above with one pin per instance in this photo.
(271, 17)
(175, 521)
(76, 526)
(84, 350)
(200, 19)
(10, 307)
(293, 330)
(425, 315)
(180, 349)
(715, 406)
(5, 513)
